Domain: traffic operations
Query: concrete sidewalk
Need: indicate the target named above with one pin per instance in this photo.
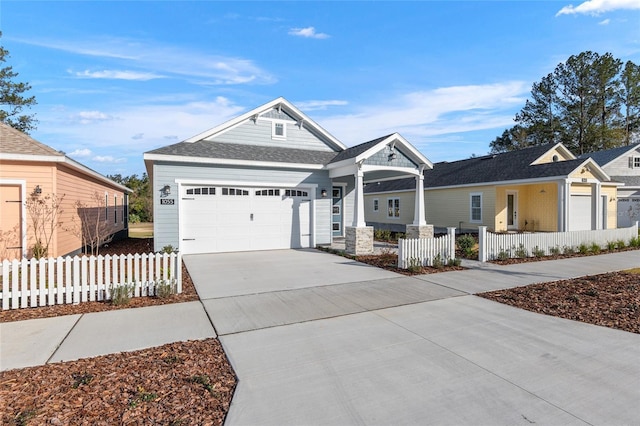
(368, 346)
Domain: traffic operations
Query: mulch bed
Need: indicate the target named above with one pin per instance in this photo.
(390, 263)
(176, 384)
(610, 300)
(180, 383)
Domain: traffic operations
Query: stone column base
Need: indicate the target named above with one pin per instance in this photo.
(419, 231)
(359, 240)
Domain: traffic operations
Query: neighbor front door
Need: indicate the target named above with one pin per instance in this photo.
(512, 210)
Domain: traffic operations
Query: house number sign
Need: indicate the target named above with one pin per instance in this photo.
(167, 201)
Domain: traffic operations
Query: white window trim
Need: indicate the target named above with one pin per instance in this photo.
(635, 163)
(471, 195)
(376, 204)
(106, 206)
(284, 130)
(392, 215)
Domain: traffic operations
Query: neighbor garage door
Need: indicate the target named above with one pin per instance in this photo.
(224, 219)
(580, 213)
(628, 211)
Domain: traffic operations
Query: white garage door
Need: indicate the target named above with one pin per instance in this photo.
(223, 219)
(628, 211)
(580, 213)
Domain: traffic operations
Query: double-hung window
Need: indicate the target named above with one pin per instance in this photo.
(393, 205)
(278, 130)
(476, 207)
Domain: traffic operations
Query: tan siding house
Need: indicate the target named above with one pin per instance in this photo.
(543, 188)
(33, 172)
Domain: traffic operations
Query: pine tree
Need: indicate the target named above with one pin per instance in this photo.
(12, 100)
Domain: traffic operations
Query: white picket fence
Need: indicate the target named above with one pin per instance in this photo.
(492, 245)
(55, 281)
(423, 250)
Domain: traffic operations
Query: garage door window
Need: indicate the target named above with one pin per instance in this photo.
(295, 193)
(201, 191)
(234, 191)
(268, 192)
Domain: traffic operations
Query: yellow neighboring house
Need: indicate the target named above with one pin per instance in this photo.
(542, 188)
(32, 177)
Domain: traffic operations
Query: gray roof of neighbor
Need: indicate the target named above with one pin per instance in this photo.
(508, 166)
(229, 151)
(13, 141)
(608, 155)
(627, 180)
(354, 151)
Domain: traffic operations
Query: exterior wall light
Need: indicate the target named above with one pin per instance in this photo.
(166, 190)
(323, 192)
(37, 190)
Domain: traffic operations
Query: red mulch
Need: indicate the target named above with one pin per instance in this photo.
(179, 383)
(610, 300)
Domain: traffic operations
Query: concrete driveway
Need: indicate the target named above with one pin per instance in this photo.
(341, 343)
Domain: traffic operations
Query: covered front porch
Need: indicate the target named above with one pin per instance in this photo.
(387, 158)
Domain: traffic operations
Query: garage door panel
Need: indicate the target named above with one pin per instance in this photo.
(224, 223)
(581, 213)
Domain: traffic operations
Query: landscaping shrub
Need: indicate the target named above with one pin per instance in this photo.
(465, 244)
(438, 263)
(537, 252)
(521, 251)
(121, 295)
(583, 248)
(595, 248)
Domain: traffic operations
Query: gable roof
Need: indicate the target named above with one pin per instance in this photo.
(13, 141)
(18, 146)
(365, 150)
(608, 155)
(228, 151)
(489, 169)
(285, 105)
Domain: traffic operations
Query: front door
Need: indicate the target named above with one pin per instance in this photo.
(512, 210)
(11, 230)
(336, 211)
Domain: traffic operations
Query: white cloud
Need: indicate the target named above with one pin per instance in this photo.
(605, 22)
(319, 105)
(108, 159)
(118, 75)
(308, 32)
(138, 136)
(596, 7)
(81, 153)
(442, 111)
(162, 60)
(86, 117)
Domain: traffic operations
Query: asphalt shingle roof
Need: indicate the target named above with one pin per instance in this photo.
(608, 155)
(627, 180)
(228, 151)
(13, 141)
(514, 165)
(354, 151)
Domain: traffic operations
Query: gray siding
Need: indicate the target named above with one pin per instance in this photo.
(166, 216)
(381, 158)
(349, 197)
(259, 133)
(620, 166)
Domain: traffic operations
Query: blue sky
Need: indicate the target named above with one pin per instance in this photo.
(116, 79)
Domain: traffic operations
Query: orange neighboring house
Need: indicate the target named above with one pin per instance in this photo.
(34, 175)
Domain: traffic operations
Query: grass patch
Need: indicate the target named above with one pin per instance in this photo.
(632, 271)
(141, 230)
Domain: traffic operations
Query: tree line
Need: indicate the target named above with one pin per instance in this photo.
(590, 102)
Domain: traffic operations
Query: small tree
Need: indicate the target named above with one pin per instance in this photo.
(44, 215)
(91, 225)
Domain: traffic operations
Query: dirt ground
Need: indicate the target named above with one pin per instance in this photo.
(192, 382)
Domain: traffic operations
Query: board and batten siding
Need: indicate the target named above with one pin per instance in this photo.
(258, 133)
(166, 220)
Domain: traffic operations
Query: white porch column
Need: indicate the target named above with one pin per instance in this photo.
(563, 205)
(358, 219)
(418, 214)
(597, 205)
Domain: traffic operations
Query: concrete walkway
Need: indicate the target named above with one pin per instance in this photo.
(337, 342)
